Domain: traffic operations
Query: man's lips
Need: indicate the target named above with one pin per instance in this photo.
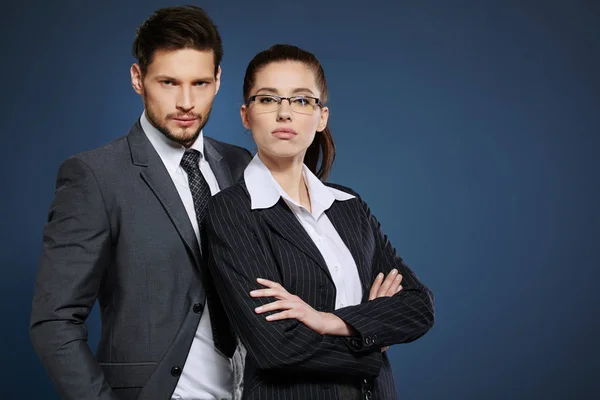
(184, 121)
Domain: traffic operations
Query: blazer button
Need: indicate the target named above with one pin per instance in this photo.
(368, 395)
(198, 307)
(176, 371)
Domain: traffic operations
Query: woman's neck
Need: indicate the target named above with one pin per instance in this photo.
(288, 173)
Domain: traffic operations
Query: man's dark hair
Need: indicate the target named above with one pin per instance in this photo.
(174, 28)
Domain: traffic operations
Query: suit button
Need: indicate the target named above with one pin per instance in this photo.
(368, 395)
(176, 371)
(198, 307)
(369, 340)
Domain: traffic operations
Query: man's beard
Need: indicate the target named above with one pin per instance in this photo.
(184, 141)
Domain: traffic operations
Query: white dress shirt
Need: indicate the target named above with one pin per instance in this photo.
(207, 374)
(266, 192)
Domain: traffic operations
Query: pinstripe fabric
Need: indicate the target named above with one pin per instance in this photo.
(285, 359)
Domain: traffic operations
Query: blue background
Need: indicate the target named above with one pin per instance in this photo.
(472, 128)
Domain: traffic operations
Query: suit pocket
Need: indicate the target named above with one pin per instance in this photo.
(127, 375)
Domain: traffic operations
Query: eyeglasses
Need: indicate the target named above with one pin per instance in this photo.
(298, 104)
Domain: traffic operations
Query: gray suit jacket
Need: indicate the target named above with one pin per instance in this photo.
(118, 233)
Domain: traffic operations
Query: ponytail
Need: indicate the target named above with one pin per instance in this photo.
(322, 148)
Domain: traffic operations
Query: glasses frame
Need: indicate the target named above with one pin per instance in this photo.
(280, 99)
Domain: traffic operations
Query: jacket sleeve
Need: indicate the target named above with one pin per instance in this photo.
(76, 251)
(401, 318)
(236, 261)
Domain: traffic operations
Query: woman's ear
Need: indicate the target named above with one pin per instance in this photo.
(244, 116)
(324, 118)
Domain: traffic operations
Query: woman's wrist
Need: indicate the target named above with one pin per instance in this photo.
(335, 326)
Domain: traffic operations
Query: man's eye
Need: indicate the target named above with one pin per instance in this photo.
(167, 82)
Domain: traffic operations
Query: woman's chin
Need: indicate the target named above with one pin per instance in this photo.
(283, 152)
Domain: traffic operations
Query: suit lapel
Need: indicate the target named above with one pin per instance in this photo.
(283, 221)
(340, 214)
(156, 176)
(217, 164)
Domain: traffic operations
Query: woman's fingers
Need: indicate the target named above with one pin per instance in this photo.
(375, 287)
(393, 289)
(276, 305)
(389, 280)
(268, 283)
(267, 293)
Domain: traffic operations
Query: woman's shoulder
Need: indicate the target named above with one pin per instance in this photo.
(357, 201)
(342, 188)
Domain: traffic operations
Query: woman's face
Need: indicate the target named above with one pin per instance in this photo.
(286, 130)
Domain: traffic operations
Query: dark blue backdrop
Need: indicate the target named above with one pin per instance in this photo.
(472, 130)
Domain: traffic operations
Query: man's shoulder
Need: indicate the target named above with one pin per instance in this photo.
(227, 149)
(105, 155)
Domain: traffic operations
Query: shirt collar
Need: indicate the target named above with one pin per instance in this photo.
(265, 192)
(169, 151)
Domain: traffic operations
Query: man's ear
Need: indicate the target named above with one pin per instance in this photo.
(136, 79)
(218, 80)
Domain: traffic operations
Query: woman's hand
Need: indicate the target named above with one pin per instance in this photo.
(387, 288)
(293, 307)
(323, 323)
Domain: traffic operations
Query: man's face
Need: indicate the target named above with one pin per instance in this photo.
(178, 90)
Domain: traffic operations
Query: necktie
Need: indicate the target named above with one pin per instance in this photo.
(198, 185)
(201, 195)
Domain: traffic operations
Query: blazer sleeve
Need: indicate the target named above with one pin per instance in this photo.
(75, 254)
(401, 318)
(288, 346)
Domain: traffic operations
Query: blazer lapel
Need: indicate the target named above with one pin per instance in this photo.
(158, 179)
(347, 228)
(217, 164)
(283, 221)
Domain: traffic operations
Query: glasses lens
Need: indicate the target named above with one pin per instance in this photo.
(298, 104)
(265, 103)
(303, 105)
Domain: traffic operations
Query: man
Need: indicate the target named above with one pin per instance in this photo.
(125, 229)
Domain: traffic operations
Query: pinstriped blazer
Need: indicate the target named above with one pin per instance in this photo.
(285, 359)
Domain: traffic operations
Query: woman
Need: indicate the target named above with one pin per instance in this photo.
(293, 258)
